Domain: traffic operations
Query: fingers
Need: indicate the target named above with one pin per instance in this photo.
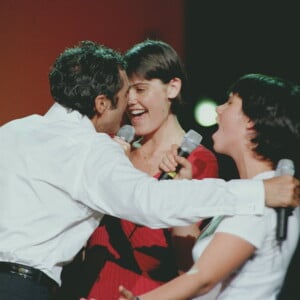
(169, 162)
(183, 162)
(126, 146)
(297, 191)
(172, 160)
(282, 191)
(186, 170)
(125, 294)
(294, 188)
(292, 191)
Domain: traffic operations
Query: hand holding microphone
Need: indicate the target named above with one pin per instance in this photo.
(284, 167)
(190, 141)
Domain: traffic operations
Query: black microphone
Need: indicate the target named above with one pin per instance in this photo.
(126, 132)
(190, 141)
(284, 167)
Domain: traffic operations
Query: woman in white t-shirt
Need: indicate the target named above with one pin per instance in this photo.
(239, 257)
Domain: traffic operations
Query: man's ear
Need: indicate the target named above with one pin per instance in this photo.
(174, 87)
(102, 103)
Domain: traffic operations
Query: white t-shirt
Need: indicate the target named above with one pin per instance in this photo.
(262, 276)
(58, 176)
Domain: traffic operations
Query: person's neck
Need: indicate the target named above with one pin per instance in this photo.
(148, 156)
(169, 133)
(249, 166)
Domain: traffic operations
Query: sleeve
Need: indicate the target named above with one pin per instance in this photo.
(253, 229)
(111, 185)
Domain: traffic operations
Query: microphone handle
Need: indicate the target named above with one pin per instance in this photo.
(282, 222)
(171, 175)
(284, 167)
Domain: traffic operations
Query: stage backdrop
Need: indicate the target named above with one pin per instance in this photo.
(34, 32)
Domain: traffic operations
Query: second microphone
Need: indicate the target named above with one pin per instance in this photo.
(191, 140)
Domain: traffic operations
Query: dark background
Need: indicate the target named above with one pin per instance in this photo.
(226, 39)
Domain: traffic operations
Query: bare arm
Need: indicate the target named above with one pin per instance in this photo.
(224, 255)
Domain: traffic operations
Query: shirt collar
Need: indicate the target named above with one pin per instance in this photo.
(265, 175)
(59, 112)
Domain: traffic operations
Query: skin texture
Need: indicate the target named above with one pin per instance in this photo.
(108, 119)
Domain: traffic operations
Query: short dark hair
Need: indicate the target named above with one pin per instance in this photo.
(154, 59)
(273, 104)
(83, 72)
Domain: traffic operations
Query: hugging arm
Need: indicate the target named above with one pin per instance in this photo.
(225, 253)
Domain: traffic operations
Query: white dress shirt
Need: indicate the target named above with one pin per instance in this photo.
(58, 176)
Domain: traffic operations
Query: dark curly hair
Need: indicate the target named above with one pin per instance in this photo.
(273, 104)
(153, 59)
(83, 72)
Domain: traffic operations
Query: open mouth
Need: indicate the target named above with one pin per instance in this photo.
(136, 113)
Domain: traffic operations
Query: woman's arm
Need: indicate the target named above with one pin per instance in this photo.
(225, 253)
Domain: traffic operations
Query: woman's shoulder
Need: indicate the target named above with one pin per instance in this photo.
(205, 163)
(202, 151)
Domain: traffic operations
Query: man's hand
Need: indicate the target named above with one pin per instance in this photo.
(126, 146)
(282, 191)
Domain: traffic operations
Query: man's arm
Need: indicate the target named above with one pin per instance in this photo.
(125, 192)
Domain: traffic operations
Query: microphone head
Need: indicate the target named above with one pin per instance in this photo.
(126, 132)
(191, 140)
(285, 167)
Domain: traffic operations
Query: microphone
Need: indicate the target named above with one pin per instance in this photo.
(284, 167)
(126, 132)
(190, 141)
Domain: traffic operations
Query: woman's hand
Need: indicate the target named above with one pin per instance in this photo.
(172, 160)
(126, 294)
